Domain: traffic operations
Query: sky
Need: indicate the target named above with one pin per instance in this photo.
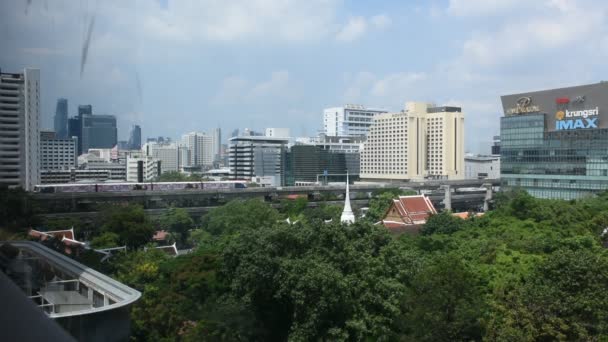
(176, 66)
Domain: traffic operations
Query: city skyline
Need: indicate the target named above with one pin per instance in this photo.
(284, 66)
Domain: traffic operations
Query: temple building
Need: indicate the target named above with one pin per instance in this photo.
(408, 213)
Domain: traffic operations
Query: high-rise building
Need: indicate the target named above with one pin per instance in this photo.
(257, 158)
(61, 119)
(98, 131)
(56, 153)
(135, 138)
(75, 131)
(553, 142)
(349, 120)
(200, 146)
(421, 142)
(216, 140)
(495, 149)
(19, 129)
(85, 110)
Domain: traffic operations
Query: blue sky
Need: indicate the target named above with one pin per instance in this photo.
(178, 66)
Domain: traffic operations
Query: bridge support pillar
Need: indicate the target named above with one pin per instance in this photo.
(447, 200)
(488, 197)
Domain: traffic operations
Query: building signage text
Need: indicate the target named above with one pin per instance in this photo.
(575, 119)
(524, 105)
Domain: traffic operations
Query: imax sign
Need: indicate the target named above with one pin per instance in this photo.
(567, 120)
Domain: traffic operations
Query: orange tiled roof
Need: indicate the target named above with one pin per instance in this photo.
(414, 209)
(465, 215)
(160, 235)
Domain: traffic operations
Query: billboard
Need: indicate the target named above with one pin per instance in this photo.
(573, 108)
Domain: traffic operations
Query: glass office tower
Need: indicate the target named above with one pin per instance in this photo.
(554, 143)
(61, 119)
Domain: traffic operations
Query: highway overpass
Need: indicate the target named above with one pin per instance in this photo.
(465, 194)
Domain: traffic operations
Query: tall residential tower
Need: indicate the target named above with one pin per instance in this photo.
(19, 129)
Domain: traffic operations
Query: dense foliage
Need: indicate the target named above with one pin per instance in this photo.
(17, 212)
(531, 270)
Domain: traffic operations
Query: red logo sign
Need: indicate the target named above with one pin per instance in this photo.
(562, 100)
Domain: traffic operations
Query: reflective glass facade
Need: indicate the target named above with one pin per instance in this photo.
(565, 164)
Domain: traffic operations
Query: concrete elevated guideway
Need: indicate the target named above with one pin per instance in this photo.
(466, 193)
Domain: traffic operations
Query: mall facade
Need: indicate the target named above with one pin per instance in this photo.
(554, 143)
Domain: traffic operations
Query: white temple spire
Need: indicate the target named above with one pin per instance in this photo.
(347, 214)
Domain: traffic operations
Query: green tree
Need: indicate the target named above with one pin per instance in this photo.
(348, 273)
(105, 240)
(443, 302)
(18, 212)
(179, 222)
(565, 298)
(443, 223)
(237, 215)
(129, 223)
(294, 208)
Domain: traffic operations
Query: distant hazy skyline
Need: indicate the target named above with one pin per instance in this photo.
(192, 65)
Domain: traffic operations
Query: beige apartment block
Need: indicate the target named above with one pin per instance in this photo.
(420, 142)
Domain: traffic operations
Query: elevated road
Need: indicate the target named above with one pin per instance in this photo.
(463, 191)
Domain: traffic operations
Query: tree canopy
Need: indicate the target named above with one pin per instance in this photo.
(530, 270)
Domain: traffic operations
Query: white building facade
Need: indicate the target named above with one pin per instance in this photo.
(278, 132)
(421, 142)
(145, 166)
(168, 154)
(482, 167)
(56, 154)
(200, 146)
(19, 129)
(349, 120)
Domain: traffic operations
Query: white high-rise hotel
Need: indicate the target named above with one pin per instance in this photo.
(19, 129)
(348, 121)
(420, 142)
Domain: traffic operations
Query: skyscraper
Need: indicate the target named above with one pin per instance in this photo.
(61, 119)
(19, 129)
(200, 146)
(85, 109)
(216, 137)
(75, 130)
(135, 138)
(98, 131)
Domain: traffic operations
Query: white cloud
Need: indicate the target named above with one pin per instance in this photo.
(381, 21)
(358, 86)
(276, 85)
(239, 90)
(397, 84)
(483, 7)
(213, 20)
(535, 35)
(354, 29)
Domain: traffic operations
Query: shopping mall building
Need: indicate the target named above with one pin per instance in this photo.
(554, 143)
